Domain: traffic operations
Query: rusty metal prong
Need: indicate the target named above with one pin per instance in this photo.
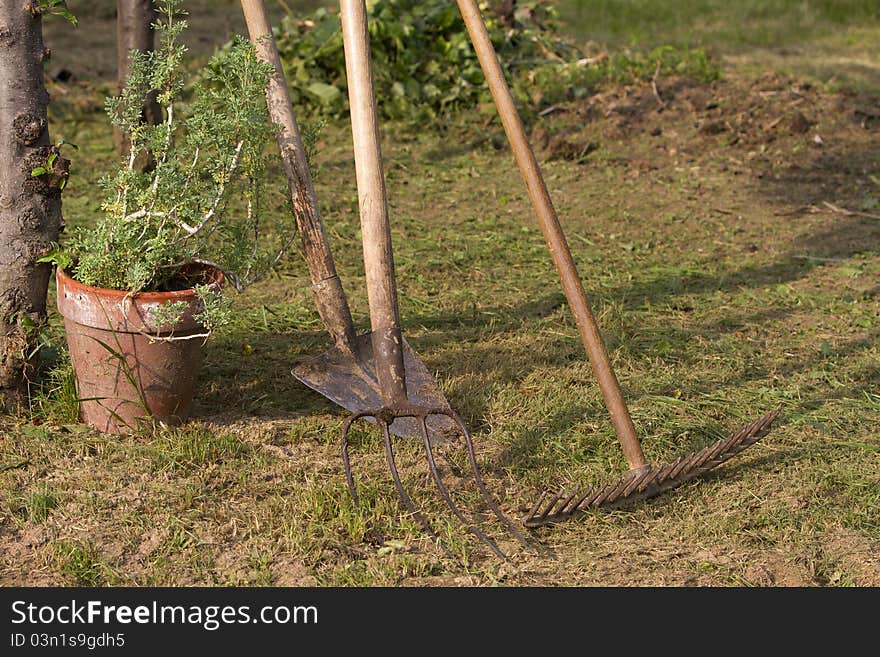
(349, 477)
(640, 485)
(562, 507)
(469, 443)
(554, 509)
(637, 477)
(579, 495)
(448, 498)
(389, 452)
(534, 509)
(583, 494)
(552, 503)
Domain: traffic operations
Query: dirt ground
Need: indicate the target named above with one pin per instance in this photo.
(763, 191)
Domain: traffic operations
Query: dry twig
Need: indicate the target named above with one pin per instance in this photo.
(655, 88)
(849, 213)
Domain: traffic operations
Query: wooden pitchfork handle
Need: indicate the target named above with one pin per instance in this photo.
(549, 222)
(327, 290)
(387, 338)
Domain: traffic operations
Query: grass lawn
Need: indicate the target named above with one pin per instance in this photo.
(832, 41)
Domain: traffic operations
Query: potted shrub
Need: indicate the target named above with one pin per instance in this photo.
(141, 288)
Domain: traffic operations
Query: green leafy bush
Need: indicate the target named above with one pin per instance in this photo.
(206, 151)
(424, 65)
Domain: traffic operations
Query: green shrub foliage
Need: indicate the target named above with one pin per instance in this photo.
(206, 151)
(424, 66)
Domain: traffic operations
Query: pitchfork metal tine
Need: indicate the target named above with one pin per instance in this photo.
(448, 498)
(384, 417)
(349, 477)
(482, 486)
(389, 452)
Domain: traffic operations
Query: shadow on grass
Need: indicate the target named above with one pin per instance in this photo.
(254, 378)
(489, 351)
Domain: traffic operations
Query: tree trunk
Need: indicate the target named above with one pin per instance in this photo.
(30, 202)
(134, 31)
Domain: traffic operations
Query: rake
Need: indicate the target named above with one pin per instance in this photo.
(643, 480)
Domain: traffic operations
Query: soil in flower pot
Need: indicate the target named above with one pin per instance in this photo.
(127, 368)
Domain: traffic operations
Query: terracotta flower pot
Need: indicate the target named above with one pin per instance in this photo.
(123, 372)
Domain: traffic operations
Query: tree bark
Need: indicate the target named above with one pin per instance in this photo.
(30, 205)
(134, 31)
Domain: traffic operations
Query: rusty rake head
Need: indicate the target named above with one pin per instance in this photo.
(384, 417)
(648, 481)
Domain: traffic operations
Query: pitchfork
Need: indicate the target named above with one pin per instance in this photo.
(387, 338)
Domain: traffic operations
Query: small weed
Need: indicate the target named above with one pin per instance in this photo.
(36, 506)
(55, 398)
(81, 564)
(262, 572)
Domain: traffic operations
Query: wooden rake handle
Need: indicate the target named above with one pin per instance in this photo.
(327, 291)
(550, 226)
(375, 228)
